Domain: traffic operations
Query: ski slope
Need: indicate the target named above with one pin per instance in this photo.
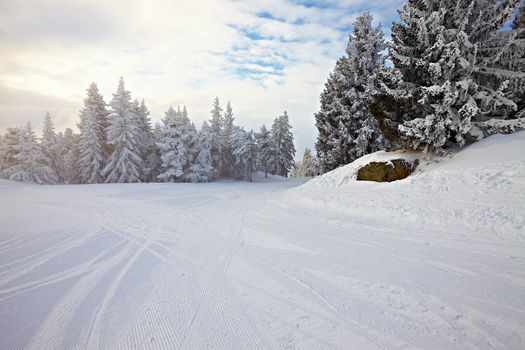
(435, 261)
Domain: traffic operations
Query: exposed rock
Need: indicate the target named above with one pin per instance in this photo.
(393, 170)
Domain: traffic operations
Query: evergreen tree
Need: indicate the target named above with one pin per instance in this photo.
(431, 99)
(284, 148)
(125, 162)
(307, 165)
(346, 128)
(216, 126)
(227, 158)
(70, 150)
(176, 146)
(9, 148)
(265, 150)
(31, 164)
(201, 169)
(245, 152)
(50, 148)
(93, 147)
(148, 148)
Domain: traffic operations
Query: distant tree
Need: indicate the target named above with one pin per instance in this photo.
(9, 148)
(70, 150)
(93, 147)
(245, 152)
(227, 158)
(216, 125)
(176, 146)
(125, 162)
(201, 170)
(50, 147)
(307, 166)
(148, 148)
(284, 148)
(265, 150)
(31, 165)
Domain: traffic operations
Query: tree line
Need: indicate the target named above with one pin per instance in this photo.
(457, 75)
(116, 143)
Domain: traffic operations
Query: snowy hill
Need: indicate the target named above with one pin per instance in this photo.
(433, 261)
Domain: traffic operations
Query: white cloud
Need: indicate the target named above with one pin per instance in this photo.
(265, 57)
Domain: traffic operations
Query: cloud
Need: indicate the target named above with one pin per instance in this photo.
(265, 57)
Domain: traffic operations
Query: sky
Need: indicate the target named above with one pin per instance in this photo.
(264, 56)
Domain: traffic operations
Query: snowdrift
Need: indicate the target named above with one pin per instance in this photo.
(506, 150)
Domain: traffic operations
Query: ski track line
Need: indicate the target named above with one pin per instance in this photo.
(93, 340)
(296, 338)
(23, 260)
(45, 259)
(72, 272)
(51, 333)
(321, 301)
(213, 300)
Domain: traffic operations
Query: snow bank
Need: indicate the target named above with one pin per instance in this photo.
(494, 149)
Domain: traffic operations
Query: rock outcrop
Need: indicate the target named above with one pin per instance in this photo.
(393, 170)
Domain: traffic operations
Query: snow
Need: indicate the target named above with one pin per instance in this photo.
(434, 261)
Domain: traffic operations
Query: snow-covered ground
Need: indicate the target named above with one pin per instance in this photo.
(433, 261)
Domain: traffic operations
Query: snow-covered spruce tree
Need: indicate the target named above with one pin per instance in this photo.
(216, 125)
(70, 150)
(176, 146)
(201, 169)
(125, 163)
(519, 27)
(500, 73)
(333, 150)
(430, 99)
(9, 148)
(31, 164)
(148, 148)
(265, 150)
(227, 158)
(346, 128)
(50, 147)
(284, 148)
(245, 153)
(364, 61)
(93, 147)
(307, 167)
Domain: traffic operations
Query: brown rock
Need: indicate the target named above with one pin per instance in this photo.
(396, 169)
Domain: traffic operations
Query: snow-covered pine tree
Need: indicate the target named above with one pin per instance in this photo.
(518, 25)
(431, 100)
(500, 73)
(201, 169)
(284, 148)
(346, 128)
(125, 162)
(50, 147)
(9, 148)
(93, 147)
(216, 125)
(70, 150)
(176, 146)
(365, 59)
(227, 158)
(31, 165)
(147, 147)
(245, 152)
(332, 150)
(265, 150)
(307, 165)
